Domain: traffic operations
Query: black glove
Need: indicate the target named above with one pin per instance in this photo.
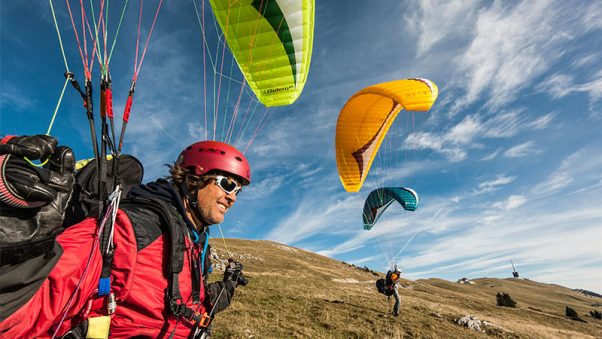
(33, 147)
(220, 293)
(234, 273)
(33, 199)
(23, 185)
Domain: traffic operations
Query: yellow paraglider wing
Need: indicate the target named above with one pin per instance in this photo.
(272, 42)
(365, 120)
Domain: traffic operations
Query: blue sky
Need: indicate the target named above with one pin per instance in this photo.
(508, 163)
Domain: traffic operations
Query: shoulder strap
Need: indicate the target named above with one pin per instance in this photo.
(170, 224)
(175, 228)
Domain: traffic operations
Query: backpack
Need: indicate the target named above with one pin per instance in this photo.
(392, 277)
(87, 192)
(381, 286)
(84, 199)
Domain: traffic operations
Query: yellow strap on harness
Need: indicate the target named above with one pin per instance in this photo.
(98, 327)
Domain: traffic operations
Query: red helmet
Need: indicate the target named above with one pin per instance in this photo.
(206, 156)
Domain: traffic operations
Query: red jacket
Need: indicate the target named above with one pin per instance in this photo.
(138, 280)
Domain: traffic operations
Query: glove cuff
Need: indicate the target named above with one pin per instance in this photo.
(6, 139)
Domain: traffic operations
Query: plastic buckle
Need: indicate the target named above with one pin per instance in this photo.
(204, 320)
(104, 286)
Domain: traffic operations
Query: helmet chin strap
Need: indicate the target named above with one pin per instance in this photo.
(193, 204)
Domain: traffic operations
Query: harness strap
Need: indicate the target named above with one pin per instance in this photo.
(173, 297)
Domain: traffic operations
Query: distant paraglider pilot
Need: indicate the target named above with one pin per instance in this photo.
(388, 287)
(391, 282)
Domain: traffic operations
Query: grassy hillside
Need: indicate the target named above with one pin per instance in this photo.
(298, 294)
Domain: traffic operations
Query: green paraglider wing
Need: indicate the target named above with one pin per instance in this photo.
(380, 199)
(272, 42)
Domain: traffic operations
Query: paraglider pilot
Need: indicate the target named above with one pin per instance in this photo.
(54, 278)
(391, 285)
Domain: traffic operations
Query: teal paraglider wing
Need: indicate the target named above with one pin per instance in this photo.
(380, 199)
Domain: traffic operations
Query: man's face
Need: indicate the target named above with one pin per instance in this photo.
(214, 202)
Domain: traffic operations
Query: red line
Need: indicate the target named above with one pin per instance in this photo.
(95, 51)
(235, 113)
(84, 20)
(204, 67)
(138, 40)
(219, 86)
(259, 128)
(244, 119)
(81, 54)
(148, 38)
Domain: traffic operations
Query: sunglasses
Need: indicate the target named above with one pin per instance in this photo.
(227, 185)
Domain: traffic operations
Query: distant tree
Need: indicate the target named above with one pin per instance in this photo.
(504, 299)
(596, 315)
(366, 269)
(589, 293)
(571, 313)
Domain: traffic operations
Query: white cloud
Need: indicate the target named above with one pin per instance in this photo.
(585, 60)
(422, 141)
(265, 187)
(513, 202)
(380, 175)
(541, 122)
(561, 85)
(522, 150)
(455, 143)
(364, 260)
(15, 99)
(514, 43)
(304, 170)
(555, 182)
(584, 166)
(196, 131)
(557, 85)
(536, 236)
(437, 20)
(465, 131)
(592, 17)
(450, 143)
(317, 216)
(492, 185)
(491, 155)
(285, 137)
(506, 124)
